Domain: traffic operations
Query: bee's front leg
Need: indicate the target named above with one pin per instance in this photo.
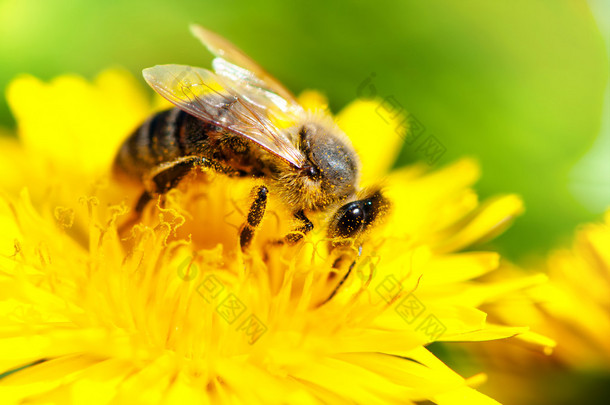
(299, 232)
(296, 234)
(343, 258)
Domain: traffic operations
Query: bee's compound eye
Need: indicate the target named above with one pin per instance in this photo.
(355, 217)
(350, 222)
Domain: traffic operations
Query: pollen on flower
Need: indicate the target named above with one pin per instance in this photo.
(172, 310)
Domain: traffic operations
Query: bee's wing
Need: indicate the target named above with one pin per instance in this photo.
(233, 63)
(227, 104)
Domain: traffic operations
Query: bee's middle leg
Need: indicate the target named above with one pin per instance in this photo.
(255, 216)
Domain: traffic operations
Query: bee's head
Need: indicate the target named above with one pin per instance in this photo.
(332, 163)
(354, 218)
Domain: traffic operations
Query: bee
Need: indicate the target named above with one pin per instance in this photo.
(241, 122)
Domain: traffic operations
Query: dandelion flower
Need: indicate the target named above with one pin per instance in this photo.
(577, 300)
(572, 308)
(173, 312)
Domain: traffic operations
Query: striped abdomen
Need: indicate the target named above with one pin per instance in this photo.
(164, 137)
(174, 134)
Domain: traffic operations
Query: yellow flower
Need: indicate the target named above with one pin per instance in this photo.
(573, 307)
(579, 306)
(174, 312)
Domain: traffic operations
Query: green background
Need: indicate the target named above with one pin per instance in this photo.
(517, 84)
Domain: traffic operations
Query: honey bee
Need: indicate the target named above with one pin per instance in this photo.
(241, 122)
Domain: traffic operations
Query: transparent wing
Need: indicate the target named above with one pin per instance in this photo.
(227, 104)
(254, 84)
(233, 63)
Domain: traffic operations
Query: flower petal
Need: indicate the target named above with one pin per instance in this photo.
(68, 121)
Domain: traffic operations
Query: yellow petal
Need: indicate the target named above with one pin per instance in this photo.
(313, 100)
(42, 378)
(440, 198)
(13, 161)
(74, 122)
(459, 267)
(492, 218)
(464, 395)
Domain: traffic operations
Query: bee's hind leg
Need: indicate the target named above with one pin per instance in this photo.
(161, 179)
(144, 199)
(167, 175)
(136, 214)
(255, 216)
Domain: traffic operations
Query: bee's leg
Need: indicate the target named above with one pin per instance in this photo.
(298, 233)
(255, 216)
(163, 178)
(144, 199)
(167, 175)
(160, 180)
(337, 265)
(336, 290)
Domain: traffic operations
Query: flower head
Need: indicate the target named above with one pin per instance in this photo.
(568, 314)
(173, 312)
(572, 308)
